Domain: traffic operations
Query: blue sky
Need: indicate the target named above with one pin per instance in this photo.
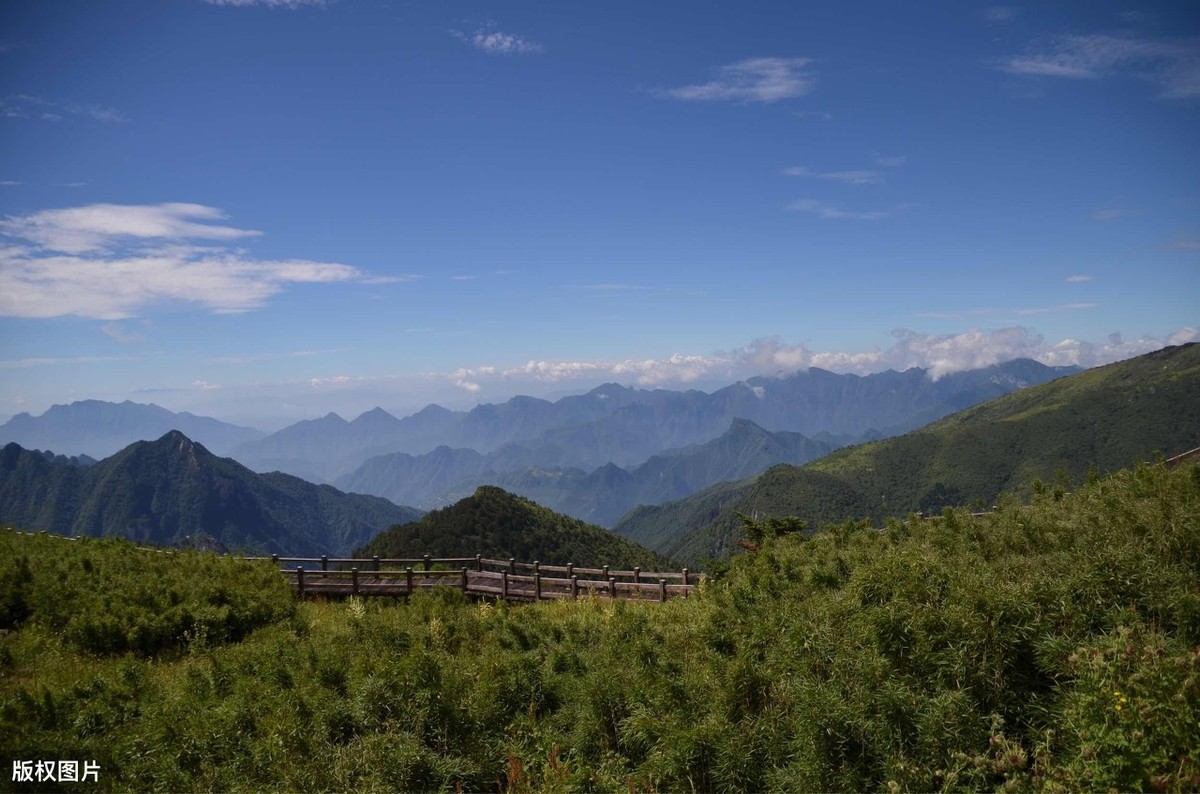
(268, 210)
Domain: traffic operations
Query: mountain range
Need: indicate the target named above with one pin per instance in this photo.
(600, 496)
(626, 426)
(1102, 419)
(99, 429)
(173, 491)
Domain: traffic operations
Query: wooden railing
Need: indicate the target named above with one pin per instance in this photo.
(479, 576)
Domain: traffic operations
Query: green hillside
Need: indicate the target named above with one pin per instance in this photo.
(1103, 419)
(173, 491)
(498, 524)
(1046, 647)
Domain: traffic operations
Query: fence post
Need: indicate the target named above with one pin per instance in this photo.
(570, 569)
(605, 571)
(375, 560)
(275, 560)
(662, 591)
(612, 586)
(300, 579)
(685, 576)
(408, 578)
(504, 585)
(479, 562)
(574, 587)
(464, 579)
(537, 586)
(354, 581)
(427, 562)
(537, 567)
(637, 575)
(512, 565)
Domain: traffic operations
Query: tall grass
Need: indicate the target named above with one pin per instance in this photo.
(1049, 646)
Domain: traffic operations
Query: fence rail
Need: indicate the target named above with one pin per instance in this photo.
(342, 576)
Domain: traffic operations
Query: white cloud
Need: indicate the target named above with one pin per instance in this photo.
(1077, 279)
(830, 212)
(204, 385)
(1173, 65)
(22, 106)
(495, 42)
(940, 354)
(334, 380)
(1183, 336)
(1000, 14)
(751, 80)
(403, 278)
(80, 230)
(10, 183)
(860, 177)
(110, 262)
(894, 161)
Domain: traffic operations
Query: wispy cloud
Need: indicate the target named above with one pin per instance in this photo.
(1186, 245)
(25, 363)
(859, 177)
(1022, 311)
(403, 278)
(117, 333)
(10, 183)
(827, 211)
(1061, 307)
(111, 262)
(463, 278)
(893, 161)
(1109, 214)
(78, 230)
(288, 4)
(495, 42)
(24, 106)
(1172, 65)
(1077, 279)
(1000, 14)
(254, 358)
(751, 80)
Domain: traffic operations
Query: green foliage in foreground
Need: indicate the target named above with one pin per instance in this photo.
(1050, 646)
(106, 596)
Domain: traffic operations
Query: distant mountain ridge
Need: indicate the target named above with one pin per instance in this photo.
(626, 426)
(600, 496)
(99, 429)
(1105, 418)
(173, 491)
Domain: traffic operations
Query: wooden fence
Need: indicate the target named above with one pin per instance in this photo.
(479, 576)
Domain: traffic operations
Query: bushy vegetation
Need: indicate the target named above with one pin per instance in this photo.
(1049, 646)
